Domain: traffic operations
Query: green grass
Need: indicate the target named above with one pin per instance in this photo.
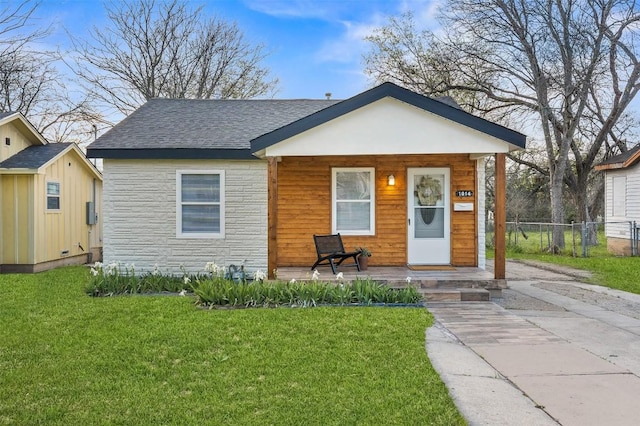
(615, 272)
(70, 359)
(608, 270)
(538, 242)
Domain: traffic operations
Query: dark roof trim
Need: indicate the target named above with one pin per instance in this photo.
(172, 154)
(399, 93)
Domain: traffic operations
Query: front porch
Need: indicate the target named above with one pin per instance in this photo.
(437, 284)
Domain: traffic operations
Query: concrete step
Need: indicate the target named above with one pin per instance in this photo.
(450, 284)
(455, 294)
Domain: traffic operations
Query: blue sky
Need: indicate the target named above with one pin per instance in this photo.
(316, 45)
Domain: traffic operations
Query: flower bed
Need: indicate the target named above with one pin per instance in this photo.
(214, 288)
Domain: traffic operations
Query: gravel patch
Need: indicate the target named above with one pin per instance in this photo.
(605, 301)
(512, 299)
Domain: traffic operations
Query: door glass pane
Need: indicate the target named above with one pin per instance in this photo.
(428, 190)
(428, 222)
(429, 203)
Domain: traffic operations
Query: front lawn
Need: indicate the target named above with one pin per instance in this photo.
(610, 271)
(66, 358)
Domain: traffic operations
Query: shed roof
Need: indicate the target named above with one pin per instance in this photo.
(621, 161)
(34, 157)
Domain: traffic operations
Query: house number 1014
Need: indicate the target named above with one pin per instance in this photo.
(464, 193)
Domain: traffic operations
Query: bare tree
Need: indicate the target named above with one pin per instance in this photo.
(29, 79)
(405, 55)
(165, 49)
(558, 63)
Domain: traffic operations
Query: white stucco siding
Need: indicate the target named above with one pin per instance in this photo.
(140, 215)
(617, 226)
(388, 127)
(481, 194)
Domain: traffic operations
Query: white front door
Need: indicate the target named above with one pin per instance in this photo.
(429, 216)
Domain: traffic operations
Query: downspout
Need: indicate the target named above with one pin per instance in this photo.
(90, 227)
(16, 217)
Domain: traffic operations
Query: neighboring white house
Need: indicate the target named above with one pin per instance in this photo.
(250, 182)
(622, 199)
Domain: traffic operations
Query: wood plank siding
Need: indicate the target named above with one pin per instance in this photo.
(304, 207)
(66, 230)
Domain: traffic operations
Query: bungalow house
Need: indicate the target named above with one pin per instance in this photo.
(622, 201)
(251, 181)
(50, 194)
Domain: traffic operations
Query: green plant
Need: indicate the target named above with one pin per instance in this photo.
(115, 278)
(364, 251)
(217, 291)
(215, 288)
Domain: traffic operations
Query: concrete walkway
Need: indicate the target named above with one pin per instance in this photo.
(551, 351)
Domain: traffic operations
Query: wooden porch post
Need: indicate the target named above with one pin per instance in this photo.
(272, 216)
(500, 216)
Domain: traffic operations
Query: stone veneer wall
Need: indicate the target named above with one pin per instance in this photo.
(139, 215)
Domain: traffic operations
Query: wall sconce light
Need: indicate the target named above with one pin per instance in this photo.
(391, 180)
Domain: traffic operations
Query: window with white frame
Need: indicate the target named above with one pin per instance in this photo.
(619, 196)
(200, 204)
(53, 195)
(353, 199)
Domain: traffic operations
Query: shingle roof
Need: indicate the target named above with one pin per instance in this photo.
(34, 156)
(5, 114)
(438, 107)
(225, 129)
(621, 161)
(204, 124)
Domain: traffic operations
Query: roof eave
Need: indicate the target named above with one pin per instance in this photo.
(27, 124)
(171, 154)
(610, 166)
(19, 171)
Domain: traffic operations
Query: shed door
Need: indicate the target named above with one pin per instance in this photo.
(429, 216)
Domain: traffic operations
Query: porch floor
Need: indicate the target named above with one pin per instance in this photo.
(397, 275)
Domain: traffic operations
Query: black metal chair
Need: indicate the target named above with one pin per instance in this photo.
(330, 249)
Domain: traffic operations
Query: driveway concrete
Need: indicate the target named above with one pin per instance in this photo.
(552, 350)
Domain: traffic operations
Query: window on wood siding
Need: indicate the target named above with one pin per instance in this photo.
(619, 196)
(200, 204)
(353, 199)
(53, 195)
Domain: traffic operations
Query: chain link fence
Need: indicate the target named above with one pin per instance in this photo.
(582, 239)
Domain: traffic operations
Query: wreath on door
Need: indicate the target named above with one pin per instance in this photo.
(429, 192)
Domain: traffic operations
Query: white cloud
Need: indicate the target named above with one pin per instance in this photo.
(296, 8)
(349, 45)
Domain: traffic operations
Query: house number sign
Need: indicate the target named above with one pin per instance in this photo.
(464, 193)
